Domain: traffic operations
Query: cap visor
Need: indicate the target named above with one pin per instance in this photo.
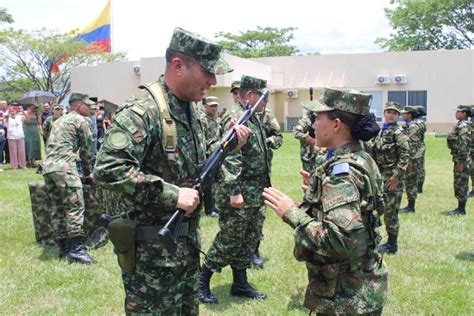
(316, 106)
(221, 67)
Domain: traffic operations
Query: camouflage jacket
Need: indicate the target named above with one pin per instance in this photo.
(47, 125)
(246, 171)
(413, 131)
(422, 130)
(390, 151)
(211, 128)
(335, 237)
(459, 141)
(272, 129)
(69, 134)
(472, 136)
(133, 164)
(299, 133)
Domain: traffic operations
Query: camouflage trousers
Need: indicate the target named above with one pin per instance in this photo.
(235, 243)
(421, 173)
(67, 203)
(161, 290)
(392, 205)
(461, 181)
(411, 179)
(472, 172)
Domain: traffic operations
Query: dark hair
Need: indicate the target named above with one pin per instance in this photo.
(170, 54)
(362, 127)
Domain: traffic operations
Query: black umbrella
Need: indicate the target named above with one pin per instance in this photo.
(36, 97)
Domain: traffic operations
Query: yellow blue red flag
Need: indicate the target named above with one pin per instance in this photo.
(97, 32)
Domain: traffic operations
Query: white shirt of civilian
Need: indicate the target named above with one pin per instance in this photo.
(15, 128)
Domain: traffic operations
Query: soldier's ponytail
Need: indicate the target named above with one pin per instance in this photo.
(362, 127)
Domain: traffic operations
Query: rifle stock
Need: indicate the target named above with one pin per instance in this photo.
(169, 233)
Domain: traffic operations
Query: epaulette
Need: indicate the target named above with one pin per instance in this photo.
(340, 169)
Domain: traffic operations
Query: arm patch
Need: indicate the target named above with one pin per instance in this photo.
(337, 194)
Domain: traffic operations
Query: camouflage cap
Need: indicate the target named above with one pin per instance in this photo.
(351, 101)
(408, 109)
(256, 84)
(234, 85)
(420, 110)
(463, 108)
(206, 53)
(393, 106)
(210, 100)
(75, 96)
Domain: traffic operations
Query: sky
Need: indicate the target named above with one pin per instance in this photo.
(143, 28)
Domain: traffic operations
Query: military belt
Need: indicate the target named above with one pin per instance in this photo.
(147, 233)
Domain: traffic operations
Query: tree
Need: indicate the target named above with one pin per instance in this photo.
(5, 17)
(43, 60)
(263, 42)
(429, 25)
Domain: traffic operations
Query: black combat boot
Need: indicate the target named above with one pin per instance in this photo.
(205, 295)
(410, 207)
(391, 246)
(459, 211)
(241, 287)
(257, 260)
(78, 252)
(64, 247)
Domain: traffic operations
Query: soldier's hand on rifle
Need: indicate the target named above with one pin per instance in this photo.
(188, 200)
(305, 175)
(236, 201)
(242, 132)
(277, 201)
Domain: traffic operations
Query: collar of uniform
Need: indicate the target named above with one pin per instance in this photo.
(347, 148)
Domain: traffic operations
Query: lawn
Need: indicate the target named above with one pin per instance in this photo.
(432, 273)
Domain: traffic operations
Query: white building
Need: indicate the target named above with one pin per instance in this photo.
(438, 80)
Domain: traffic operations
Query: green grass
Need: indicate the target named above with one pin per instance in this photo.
(431, 274)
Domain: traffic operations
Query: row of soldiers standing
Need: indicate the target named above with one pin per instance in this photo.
(400, 155)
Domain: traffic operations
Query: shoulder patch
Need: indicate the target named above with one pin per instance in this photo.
(340, 169)
(139, 110)
(117, 139)
(338, 194)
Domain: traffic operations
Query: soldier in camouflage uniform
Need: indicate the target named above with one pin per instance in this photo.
(210, 123)
(414, 133)
(390, 151)
(422, 124)
(308, 150)
(142, 164)
(274, 141)
(70, 133)
(48, 123)
(335, 226)
(244, 175)
(459, 143)
(471, 194)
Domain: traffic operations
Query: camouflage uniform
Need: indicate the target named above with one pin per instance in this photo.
(69, 134)
(335, 226)
(390, 151)
(471, 194)
(459, 143)
(133, 163)
(47, 125)
(422, 130)
(415, 134)
(308, 155)
(245, 172)
(272, 131)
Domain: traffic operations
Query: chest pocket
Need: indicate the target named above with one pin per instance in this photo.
(126, 122)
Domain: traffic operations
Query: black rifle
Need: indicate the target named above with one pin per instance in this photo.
(208, 174)
(311, 131)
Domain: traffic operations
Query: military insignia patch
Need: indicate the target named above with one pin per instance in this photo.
(117, 139)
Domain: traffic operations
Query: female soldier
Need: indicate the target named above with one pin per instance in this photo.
(335, 226)
(390, 151)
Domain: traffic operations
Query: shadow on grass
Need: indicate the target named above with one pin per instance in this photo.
(466, 256)
(296, 302)
(49, 253)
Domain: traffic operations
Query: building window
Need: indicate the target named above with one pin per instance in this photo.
(376, 105)
(410, 98)
(398, 96)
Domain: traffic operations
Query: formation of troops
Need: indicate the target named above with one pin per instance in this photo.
(353, 174)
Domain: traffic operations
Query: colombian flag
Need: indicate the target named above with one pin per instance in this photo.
(97, 32)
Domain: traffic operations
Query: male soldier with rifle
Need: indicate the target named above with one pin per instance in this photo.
(151, 155)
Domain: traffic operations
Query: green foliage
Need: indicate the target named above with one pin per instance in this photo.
(24, 56)
(431, 275)
(429, 25)
(5, 17)
(262, 42)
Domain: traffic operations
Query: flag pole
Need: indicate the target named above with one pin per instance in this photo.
(112, 27)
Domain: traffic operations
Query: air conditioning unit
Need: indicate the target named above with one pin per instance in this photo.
(400, 79)
(136, 69)
(292, 94)
(383, 79)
